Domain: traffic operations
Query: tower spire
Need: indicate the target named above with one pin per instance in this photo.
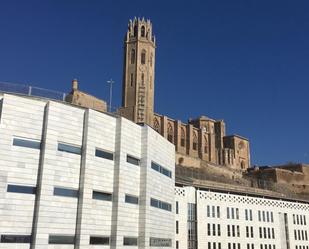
(138, 78)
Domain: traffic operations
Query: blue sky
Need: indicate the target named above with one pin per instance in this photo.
(242, 61)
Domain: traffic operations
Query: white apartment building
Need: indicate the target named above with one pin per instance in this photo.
(72, 177)
(209, 219)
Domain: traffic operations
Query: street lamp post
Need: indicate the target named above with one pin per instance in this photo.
(110, 93)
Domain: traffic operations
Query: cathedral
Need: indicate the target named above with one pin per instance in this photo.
(200, 140)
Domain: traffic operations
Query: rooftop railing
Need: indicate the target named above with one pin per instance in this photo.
(21, 89)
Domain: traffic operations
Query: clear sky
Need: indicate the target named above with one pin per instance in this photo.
(243, 61)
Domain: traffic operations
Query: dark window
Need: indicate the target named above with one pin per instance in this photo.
(143, 31)
(132, 56)
(143, 79)
(104, 154)
(69, 148)
(160, 204)
(177, 207)
(129, 241)
(94, 240)
(160, 242)
(21, 189)
(61, 239)
(143, 57)
(131, 79)
(133, 160)
(161, 169)
(177, 226)
(131, 199)
(66, 192)
(15, 238)
(101, 196)
(26, 143)
(155, 166)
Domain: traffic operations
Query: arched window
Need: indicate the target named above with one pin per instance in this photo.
(194, 141)
(132, 56)
(143, 79)
(131, 79)
(242, 165)
(205, 145)
(143, 57)
(135, 31)
(143, 31)
(170, 133)
(156, 125)
(182, 137)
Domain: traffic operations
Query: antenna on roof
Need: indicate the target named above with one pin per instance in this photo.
(110, 93)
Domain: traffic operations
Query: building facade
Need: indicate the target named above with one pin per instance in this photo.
(73, 177)
(202, 138)
(212, 219)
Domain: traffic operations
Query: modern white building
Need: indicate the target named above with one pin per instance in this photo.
(76, 178)
(72, 177)
(215, 219)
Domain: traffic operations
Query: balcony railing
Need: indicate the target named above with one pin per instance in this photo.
(21, 89)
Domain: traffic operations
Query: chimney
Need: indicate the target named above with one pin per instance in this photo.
(74, 84)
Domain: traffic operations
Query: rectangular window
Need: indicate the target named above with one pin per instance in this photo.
(104, 154)
(15, 238)
(209, 245)
(95, 240)
(69, 148)
(219, 230)
(61, 239)
(161, 169)
(208, 211)
(233, 230)
(271, 217)
(246, 214)
(130, 241)
(33, 144)
(259, 214)
(177, 226)
(102, 196)
(177, 244)
(208, 229)
(218, 212)
(133, 160)
(228, 212)
(228, 231)
(177, 207)
(131, 199)
(21, 189)
(238, 231)
(160, 204)
(250, 214)
(66, 192)
(237, 213)
(252, 235)
(214, 229)
(213, 211)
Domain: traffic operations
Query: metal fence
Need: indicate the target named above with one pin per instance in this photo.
(31, 91)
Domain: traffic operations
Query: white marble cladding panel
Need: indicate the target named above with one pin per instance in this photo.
(20, 117)
(99, 176)
(129, 179)
(183, 195)
(159, 186)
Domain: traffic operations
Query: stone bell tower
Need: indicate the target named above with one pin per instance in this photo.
(138, 72)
